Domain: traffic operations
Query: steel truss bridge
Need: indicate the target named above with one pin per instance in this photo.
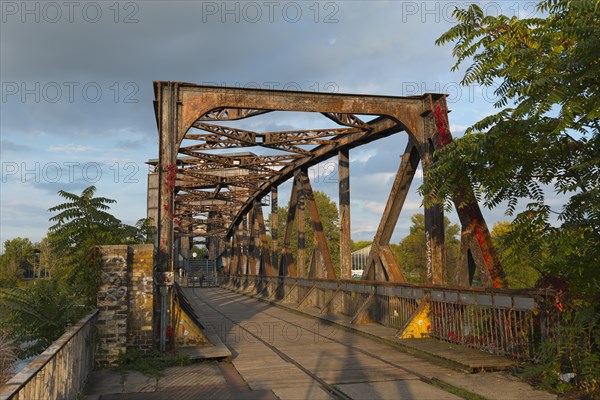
(209, 190)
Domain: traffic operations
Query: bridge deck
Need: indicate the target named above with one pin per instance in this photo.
(298, 356)
(447, 354)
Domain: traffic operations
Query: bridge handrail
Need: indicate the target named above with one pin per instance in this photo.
(501, 321)
(61, 371)
(320, 282)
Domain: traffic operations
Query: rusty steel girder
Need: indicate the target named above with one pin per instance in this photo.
(207, 191)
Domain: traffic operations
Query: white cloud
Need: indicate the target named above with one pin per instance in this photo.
(458, 129)
(362, 156)
(374, 206)
(71, 148)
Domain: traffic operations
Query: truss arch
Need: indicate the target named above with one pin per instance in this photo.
(216, 193)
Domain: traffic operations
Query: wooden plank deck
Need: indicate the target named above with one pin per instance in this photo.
(447, 354)
(298, 356)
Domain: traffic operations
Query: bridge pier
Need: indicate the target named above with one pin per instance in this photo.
(125, 301)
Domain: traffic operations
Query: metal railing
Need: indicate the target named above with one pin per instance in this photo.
(201, 273)
(61, 371)
(500, 321)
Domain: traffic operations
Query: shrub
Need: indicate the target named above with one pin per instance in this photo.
(39, 314)
(8, 356)
(572, 347)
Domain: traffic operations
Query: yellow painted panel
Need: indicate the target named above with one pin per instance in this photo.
(187, 332)
(419, 325)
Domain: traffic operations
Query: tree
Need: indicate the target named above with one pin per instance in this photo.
(82, 223)
(201, 252)
(361, 244)
(545, 134)
(146, 230)
(328, 212)
(521, 269)
(49, 259)
(39, 314)
(18, 256)
(411, 251)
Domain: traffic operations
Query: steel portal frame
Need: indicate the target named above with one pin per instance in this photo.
(217, 195)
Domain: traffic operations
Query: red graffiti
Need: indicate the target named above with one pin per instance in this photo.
(496, 282)
(171, 177)
(442, 127)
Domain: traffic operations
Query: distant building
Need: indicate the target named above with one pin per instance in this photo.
(359, 261)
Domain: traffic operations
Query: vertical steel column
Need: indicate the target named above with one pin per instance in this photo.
(274, 227)
(244, 246)
(227, 257)
(237, 250)
(251, 242)
(255, 239)
(344, 194)
(434, 233)
(167, 97)
(287, 267)
(264, 244)
(301, 248)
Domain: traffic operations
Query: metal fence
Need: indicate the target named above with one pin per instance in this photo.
(201, 273)
(61, 371)
(500, 321)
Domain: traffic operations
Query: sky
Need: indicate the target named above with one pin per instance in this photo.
(76, 89)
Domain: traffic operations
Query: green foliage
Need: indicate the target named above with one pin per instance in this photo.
(545, 133)
(572, 347)
(522, 269)
(39, 313)
(411, 252)
(145, 231)
(49, 259)
(361, 244)
(8, 356)
(328, 212)
(81, 223)
(201, 252)
(17, 257)
(151, 365)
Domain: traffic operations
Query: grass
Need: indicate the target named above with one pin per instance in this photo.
(151, 365)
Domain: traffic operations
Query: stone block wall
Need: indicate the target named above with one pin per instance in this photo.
(140, 334)
(125, 301)
(112, 303)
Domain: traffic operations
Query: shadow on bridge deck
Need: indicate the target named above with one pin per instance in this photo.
(299, 356)
(277, 353)
(214, 380)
